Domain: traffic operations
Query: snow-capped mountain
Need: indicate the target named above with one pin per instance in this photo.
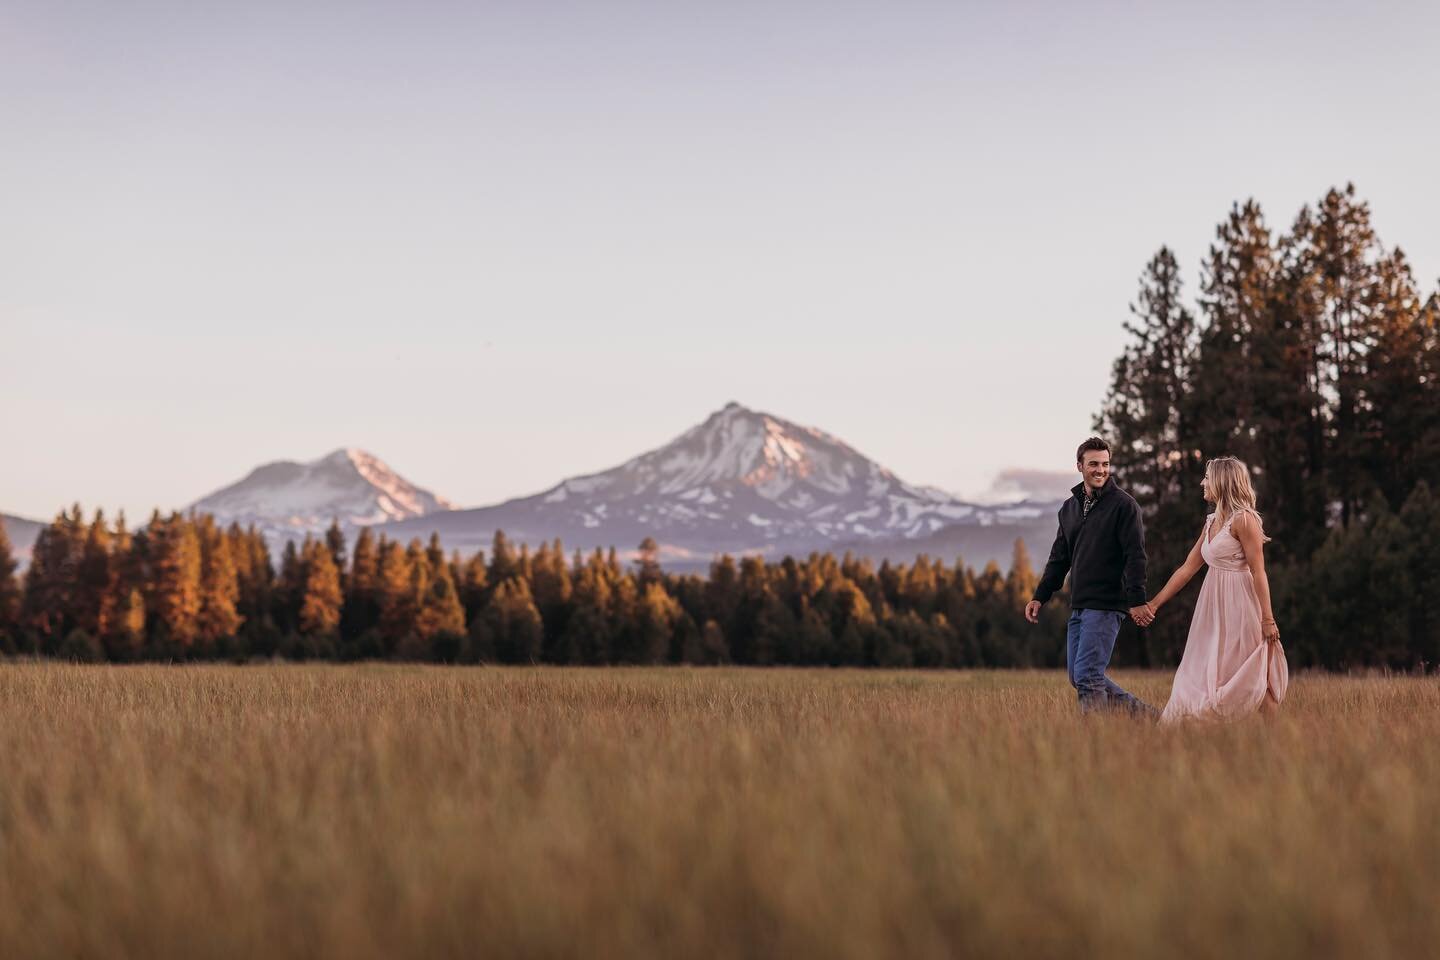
(742, 481)
(287, 499)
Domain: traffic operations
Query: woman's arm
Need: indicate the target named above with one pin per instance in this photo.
(1181, 576)
(1247, 530)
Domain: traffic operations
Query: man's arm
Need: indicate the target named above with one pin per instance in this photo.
(1132, 550)
(1055, 568)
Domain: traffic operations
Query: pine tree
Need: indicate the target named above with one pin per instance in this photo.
(220, 618)
(440, 614)
(658, 615)
(1399, 425)
(256, 591)
(320, 600)
(175, 580)
(48, 602)
(1020, 583)
(552, 588)
(361, 610)
(398, 604)
(503, 562)
(124, 639)
(1285, 448)
(474, 586)
(94, 598)
(813, 638)
(434, 553)
(1338, 251)
(994, 613)
(289, 591)
(127, 635)
(648, 562)
(586, 636)
(1420, 518)
(335, 543)
(1145, 415)
(1238, 283)
(919, 584)
(9, 595)
(514, 623)
(624, 616)
(713, 647)
(722, 594)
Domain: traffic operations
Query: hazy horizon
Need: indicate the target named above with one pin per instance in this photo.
(504, 245)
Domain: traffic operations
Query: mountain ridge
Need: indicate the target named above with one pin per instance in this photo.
(741, 481)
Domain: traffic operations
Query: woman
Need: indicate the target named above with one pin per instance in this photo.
(1233, 663)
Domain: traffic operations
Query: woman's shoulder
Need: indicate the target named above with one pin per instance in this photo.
(1247, 518)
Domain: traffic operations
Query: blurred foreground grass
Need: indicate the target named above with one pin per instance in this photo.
(380, 811)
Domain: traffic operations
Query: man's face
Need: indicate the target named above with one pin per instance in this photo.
(1094, 468)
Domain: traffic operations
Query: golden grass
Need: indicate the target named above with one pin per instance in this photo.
(381, 811)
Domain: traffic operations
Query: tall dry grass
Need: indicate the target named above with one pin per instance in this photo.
(381, 811)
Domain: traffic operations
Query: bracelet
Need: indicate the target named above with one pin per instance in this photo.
(1268, 620)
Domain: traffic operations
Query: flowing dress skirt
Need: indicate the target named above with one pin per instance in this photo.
(1228, 669)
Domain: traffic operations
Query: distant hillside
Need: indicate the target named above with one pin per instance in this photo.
(22, 534)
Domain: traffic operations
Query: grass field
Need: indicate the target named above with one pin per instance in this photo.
(381, 811)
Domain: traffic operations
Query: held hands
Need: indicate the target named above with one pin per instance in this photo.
(1143, 615)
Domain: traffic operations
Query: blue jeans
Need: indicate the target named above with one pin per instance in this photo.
(1089, 641)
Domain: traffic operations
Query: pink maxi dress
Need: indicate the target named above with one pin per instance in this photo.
(1227, 669)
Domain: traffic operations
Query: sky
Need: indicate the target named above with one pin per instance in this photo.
(501, 244)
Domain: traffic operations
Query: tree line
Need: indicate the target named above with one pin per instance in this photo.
(183, 588)
(1313, 355)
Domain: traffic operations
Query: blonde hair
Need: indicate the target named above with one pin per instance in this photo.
(1231, 487)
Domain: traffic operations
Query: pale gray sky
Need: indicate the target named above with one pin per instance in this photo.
(501, 244)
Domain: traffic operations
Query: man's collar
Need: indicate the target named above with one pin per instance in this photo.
(1082, 489)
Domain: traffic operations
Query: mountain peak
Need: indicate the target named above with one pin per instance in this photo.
(759, 476)
(348, 484)
(762, 451)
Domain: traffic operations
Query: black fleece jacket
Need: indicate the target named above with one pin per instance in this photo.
(1104, 552)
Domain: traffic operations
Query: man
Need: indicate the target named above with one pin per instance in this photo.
(1101, 543)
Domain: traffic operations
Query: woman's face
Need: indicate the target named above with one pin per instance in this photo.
(1206, 489)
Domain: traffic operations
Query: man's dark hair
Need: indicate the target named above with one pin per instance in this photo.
(1094, 443)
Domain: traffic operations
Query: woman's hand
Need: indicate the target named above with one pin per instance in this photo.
(1270, 630)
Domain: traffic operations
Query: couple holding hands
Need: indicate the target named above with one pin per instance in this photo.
(1233, 663)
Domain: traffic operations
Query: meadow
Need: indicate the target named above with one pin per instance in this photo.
(386, 810)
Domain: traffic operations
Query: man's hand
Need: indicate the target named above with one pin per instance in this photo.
(1032, 611)
(1143, 615)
